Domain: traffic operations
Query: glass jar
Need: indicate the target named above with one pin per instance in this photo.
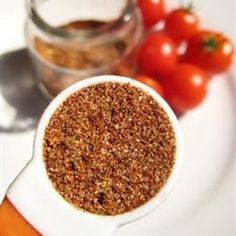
(70, 40)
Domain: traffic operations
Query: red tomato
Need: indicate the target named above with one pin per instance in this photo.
(152, 11)
(151, 82)
(181, 24)
(185, 87)
(157, 55)
(210, 50)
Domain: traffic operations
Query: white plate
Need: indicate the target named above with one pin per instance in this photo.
(207, 158)
(209, 136)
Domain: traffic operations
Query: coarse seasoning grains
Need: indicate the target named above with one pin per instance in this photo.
(109, 148)
(115, 55)
(82, 56)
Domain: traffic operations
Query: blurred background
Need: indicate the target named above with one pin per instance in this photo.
(204, 200)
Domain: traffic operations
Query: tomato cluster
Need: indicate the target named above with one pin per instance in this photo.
(181, 79)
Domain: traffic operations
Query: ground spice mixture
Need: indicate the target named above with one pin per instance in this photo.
(115, 55)
(83, 56)
(109, 148)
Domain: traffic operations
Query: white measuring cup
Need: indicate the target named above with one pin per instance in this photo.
(88, 224)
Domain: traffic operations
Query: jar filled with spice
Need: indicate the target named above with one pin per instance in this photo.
(70, 40)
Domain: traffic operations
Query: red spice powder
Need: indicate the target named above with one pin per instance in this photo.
(109, 148)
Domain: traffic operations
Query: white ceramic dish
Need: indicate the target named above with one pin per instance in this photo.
(203, 170)
(203, 199)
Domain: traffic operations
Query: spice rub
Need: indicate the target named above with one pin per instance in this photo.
(109, 148)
